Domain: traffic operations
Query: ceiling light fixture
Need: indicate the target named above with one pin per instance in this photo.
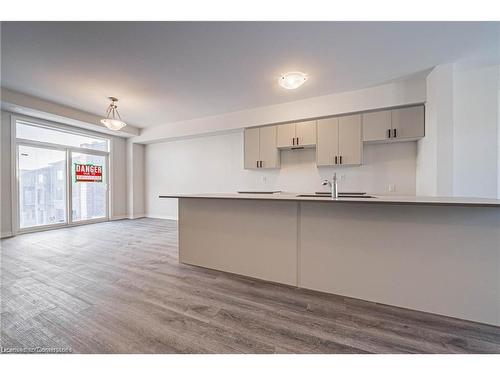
(111, 122)
(292, 80)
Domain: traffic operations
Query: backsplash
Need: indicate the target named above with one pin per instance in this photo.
(384, 165)
(215, 164)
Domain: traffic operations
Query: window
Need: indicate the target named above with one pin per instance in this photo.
(37, 198)
(43, 134)
(54, 173)
(28, 196)
(59, 193)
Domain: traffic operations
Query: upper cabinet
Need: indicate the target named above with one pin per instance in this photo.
(327, 149)
(408, 123)
(339, 141)
(402, 124)
(300, 134)
(306, 133)
(251, 150)
(376, 125)
(286, 135)
(350, 145)
(260, 148)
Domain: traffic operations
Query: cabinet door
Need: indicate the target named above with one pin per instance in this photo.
(328, 141)
(408, 122)
(306, 133)
(251, 148)
(376, 125)
(286, 134)
(269, 153)
(350, 146)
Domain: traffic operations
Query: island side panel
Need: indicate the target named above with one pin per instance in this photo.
(443, 260)
(246, 237)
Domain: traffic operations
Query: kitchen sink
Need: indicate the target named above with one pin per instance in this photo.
(260, 192)
(340, 193)
(323, 195)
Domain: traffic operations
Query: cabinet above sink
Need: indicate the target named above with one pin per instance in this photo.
(297, 135)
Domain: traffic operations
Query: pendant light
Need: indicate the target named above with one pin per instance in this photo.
(111, 121)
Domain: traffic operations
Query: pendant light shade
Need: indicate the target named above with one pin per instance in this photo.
(113, 121)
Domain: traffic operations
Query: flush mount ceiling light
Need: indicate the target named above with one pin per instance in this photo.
(111, 122)
(292, 80)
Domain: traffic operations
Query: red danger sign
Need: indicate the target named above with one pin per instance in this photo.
(88, 173)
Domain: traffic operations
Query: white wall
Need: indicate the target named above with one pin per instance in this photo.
(460, 154)
(135, 180)
(119, 181)
(215, 164)
(475, 139)
(435, 150)
(5, 181)
(498, 136)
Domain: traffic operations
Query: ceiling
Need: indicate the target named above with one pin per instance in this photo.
(164, 72)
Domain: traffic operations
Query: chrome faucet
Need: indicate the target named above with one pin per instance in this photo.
(333, 185)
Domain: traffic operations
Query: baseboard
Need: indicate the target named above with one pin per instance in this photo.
(162, 217)
(138, 216)
(6, 234)
(119, 217)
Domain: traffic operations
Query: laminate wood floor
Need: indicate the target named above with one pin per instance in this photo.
(117, 287)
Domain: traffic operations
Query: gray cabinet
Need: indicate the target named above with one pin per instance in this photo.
(327, 148)
(350, 145)
(306, 133)
(339, 141)
(402, 124)
(376, 125)
(260, 148)
(300, 134)
(286, 135)
(408, 123)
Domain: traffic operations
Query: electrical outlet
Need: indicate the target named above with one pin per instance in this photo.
(264, 179)
(391, 188)
(342, 177)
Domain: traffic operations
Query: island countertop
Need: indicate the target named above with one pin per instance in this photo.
(376, 199)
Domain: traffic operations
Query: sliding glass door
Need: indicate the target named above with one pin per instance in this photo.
(62, 177)
(89, 198)
(42, 186)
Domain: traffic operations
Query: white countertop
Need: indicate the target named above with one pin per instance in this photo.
(378, 199)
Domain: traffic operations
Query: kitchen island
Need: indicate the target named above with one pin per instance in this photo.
(439, 255)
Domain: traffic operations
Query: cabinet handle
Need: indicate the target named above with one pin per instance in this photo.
(293, 141)
(335, 159)
(261, 163)
(394, 133)
(297, 141)
(257, 163)
(388, 133)
(340, 159)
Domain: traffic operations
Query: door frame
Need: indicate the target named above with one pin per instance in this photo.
(15, 142)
